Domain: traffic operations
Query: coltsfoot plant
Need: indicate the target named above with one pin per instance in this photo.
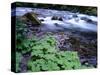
(46, 57)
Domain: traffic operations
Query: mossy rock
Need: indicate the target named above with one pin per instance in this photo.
(32, 17)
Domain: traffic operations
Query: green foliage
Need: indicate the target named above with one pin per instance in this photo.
(18, 60)
(46, 57)
(22, 43)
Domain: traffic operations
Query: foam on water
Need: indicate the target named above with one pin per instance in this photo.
(68, 20)
(74, 22)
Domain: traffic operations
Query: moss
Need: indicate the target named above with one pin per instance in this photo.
(32, 17)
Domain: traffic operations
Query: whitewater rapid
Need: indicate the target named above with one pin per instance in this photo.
(88, 23)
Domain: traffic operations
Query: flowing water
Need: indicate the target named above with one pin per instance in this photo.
(77, 21)
(81, 25)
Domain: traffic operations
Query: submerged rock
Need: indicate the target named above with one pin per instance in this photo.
(75, 15)
(42, 20)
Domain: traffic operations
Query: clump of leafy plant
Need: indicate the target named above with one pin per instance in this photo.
(47, 57)
(22, 43)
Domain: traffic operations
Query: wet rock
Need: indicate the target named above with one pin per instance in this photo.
(54, 18)
(41, 20)
(87, 49)
(60, 19)
(32, 17)
(88, 20)
(74, 40)
(57, 18)
(63, 43)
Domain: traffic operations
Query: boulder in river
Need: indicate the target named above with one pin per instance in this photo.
(57, 18)
(88, 20)
(32, 17)
(60, 19)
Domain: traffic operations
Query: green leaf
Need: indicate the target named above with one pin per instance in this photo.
(18, 60)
